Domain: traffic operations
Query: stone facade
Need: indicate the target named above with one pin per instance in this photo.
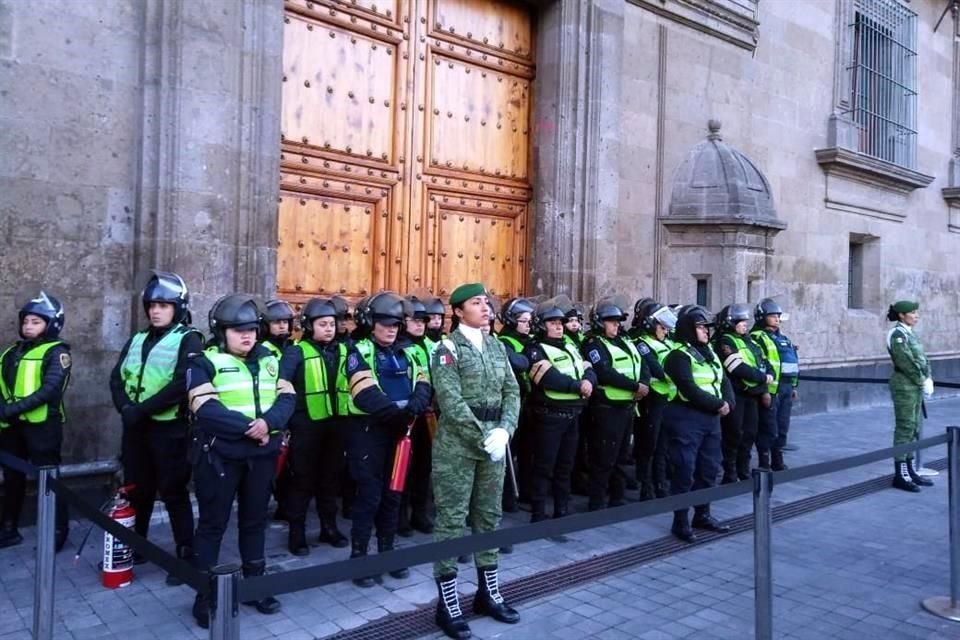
(145, 133)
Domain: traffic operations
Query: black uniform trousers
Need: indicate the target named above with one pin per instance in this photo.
(417, 490)
(522, 448)
(740, 432)
(650, 441)
(370, 451)
(783, 402)
(555, 435)
(218, 481)
(694, 448)
(155, 458)
(316, 461)
(40, 445)
(611, 425)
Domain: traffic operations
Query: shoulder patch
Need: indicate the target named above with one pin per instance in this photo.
(450, 346)
(643, 348)
(899, 338)
(353, 361)
(594, 356)
(65, 361)
(445, 358)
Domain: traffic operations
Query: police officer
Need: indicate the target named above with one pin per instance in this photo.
(312, 366)
(747, 369)
(573, 335)
(435, 315)
(34, 373)
(622, 382)
(561, 384)
(516, 318)
(781, 355)
(479, 402)
(909, 383)
(277, 326)
(388, 392)
(344, 320)
(345, 326)
(148, 389)
(416, 496)
(240, 406)
(701, 395)
(656, 323)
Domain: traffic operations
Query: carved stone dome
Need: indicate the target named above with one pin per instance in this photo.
(716, 184)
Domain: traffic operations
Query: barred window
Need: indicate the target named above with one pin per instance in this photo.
(883, 80)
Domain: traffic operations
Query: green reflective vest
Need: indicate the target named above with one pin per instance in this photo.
(568, 362)
(626, 362)
(523, 377)
(143, 380)
(708, 376)
(664, 386)
(748, 355)
(316, 387)
(345, 405)
(274, 349)
(237, 389)
(28, 381)
(769, 348)
(422, 355)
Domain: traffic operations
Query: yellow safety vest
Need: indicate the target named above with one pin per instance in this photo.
(568, 362)
(28, 381)
(626, 362)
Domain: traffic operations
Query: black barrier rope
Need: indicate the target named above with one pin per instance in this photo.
(319, 575)
(942, 385)
(171, 564)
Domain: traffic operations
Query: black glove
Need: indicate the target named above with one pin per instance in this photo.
(3, 410)
(130, 415)
(420, 400)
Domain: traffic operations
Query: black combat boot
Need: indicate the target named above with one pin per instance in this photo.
(404, 528)
(681, 526)
(449, 615)
(703, 520)
(743, 465)
(916, 477)
(359, 550)
(201, 610)
(729, 472)
(330, 535)
(901, 477)
(184, 552)
(385, 544)
(488, 601)
(268, 605)
(763, 460)
(776, 460)
(560, 509)
(297, 540)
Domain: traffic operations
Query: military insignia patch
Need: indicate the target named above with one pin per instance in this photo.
(900, 340)
(65, 361)
(445, 359)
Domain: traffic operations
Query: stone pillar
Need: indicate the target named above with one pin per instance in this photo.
(576, 147)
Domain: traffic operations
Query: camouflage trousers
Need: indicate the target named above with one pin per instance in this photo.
(907, 401)
(465, 486)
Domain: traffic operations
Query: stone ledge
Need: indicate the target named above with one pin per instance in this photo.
(879, 173)
(718, 18)
(952, 196)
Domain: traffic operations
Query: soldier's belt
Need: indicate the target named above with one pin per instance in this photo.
(486, 414)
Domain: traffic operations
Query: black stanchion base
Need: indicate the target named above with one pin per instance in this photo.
(942, 607)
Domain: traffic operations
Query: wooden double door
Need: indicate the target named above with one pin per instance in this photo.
(405, 146)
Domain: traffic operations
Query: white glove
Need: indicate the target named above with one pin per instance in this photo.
(495, 444)
(928, 387)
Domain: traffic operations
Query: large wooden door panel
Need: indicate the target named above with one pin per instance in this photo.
(372, 191)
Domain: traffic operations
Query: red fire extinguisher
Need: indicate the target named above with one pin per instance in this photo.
(401, 462)
(282, 457)
(118, 555)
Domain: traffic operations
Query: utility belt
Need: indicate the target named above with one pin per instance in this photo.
(559, 411)
(487, 414)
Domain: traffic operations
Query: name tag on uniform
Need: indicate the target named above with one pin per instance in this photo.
(229, 370)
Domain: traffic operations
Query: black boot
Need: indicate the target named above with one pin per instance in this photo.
(729, 472)
(743, 465)
(703, 520)
(329, 534)
(404, 528)
(297, 540)
(681, 526)
(901, 477)
(763, 460)
(201, 610)
(449, 615)
(9, 535)
(420, 521)
(916, 477)
(560, 509)
(184, 552)
(661, 489)
(358, 550)
(776, 460)
(268, 605)
(385, 544)
(488, 601)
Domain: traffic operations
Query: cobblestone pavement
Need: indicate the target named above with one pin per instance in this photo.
(856, 570)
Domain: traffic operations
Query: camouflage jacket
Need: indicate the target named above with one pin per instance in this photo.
(910, 366)
(468, 382)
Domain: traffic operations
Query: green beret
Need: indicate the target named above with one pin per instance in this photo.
(905, 306)
(466, 291)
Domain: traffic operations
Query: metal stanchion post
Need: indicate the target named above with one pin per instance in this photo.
(46, 532)
(762, 556)
(946, 606)
(224, 605)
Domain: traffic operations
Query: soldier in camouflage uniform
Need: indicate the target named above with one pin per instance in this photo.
(909, 383)
(479, 402)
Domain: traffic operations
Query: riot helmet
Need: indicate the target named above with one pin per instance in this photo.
(687, 320)
(316, 308)
(165, 286)
(234, 311)
(276, 310)
(47, 307)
